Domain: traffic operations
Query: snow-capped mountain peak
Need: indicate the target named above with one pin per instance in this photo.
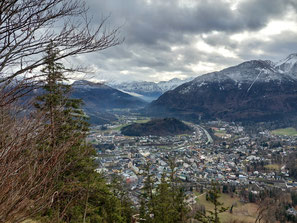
(246, 72)
(149, 90)
(256, 90)
(288, 65)
(84, 84)
(173, 83)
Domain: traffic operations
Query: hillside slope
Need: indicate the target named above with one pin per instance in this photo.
(254, 90)
(157, 127)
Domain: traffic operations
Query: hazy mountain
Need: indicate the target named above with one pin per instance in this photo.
(253, 90)
(97, 96)
(148, 91)
(100, 99)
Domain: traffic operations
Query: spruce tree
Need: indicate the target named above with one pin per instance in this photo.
(212, 216)
(164, 203)
(165, 206)
(147, 196)
(82, 194)
(64, 116)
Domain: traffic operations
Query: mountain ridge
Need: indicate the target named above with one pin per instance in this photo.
(99, 100)
(253, 90)
(101, 97)
(146, 90)
(157, 127)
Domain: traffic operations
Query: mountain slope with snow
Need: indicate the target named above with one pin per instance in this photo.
(148, 91)
(288, 65)
(254, 90)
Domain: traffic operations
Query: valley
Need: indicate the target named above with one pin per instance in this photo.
(242, 133)
(241, 160)
(148, 111)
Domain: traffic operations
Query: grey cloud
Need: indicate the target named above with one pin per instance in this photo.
(256, 13)
(148, 23)
(151, 30)
(281, 46)
(220, 39)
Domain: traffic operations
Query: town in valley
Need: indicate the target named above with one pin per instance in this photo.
(225, 152)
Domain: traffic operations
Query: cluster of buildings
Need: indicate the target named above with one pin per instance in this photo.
(217, 151)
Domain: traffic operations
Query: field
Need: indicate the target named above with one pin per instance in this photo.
(145, 120)
(137, 121)
(272, 167)
(286, 131)
(241, 212)
(220, 133)
(117, 128)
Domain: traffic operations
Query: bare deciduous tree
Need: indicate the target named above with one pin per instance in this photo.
(27, 171)
(268, 207)
(28, 26)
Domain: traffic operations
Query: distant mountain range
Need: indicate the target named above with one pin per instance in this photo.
(148, 91)
(99, 99)
(255, 90)
(98, 96)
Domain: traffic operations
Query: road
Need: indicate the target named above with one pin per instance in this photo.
(209, 138)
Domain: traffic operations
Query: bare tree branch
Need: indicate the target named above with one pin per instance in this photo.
(28, 171)
(28, 26)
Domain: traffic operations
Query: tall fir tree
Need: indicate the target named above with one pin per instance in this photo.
(165, 206)
(213, 196)
(64, 115)
(147, 199)
(164, 203)
(83, 195)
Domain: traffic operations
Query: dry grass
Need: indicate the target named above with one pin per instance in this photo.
(241, 212)
(273, 167)
(30, 221)
(285, 131)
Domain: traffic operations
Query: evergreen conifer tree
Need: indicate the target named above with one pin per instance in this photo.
(147, 197)
(165, 210)
(82, 194)
(164, 203)
(212, 216)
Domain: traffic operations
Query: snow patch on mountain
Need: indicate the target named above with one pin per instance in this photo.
(288, 65)
(149, 91)
(251, 72)
(145, 86)
(137, 87)
(173, 83)
(84, 84)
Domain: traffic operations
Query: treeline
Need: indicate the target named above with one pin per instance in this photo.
(256, 127)
(273, 203)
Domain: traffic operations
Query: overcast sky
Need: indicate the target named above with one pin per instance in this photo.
(182, 38)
